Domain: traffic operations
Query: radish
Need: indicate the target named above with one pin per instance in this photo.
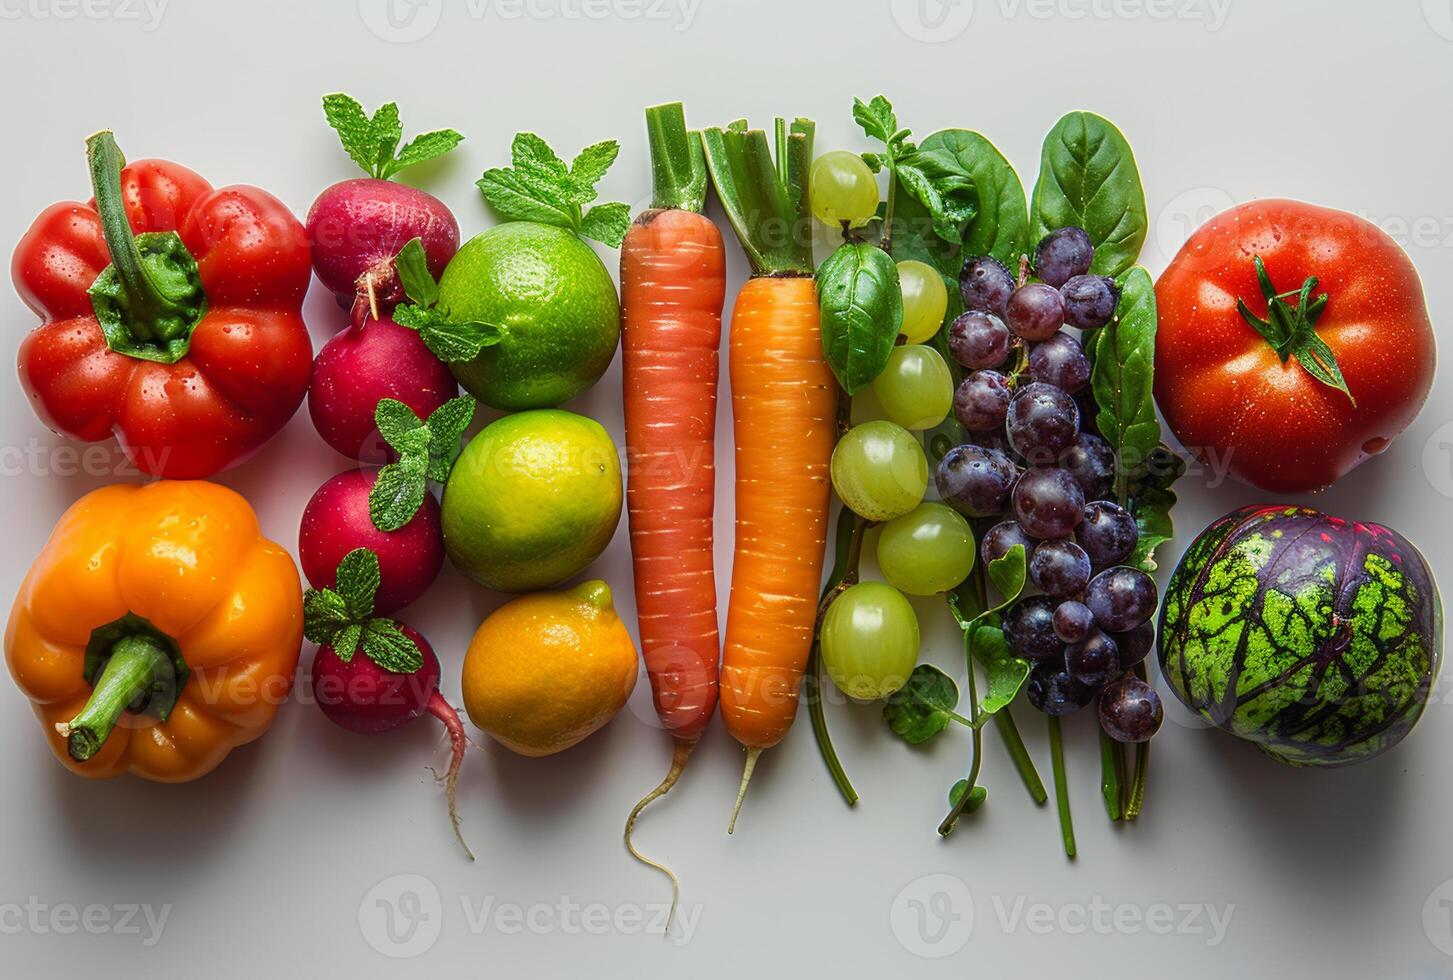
(388, 511)
(368, 361)
(372, 674)
(358, 226)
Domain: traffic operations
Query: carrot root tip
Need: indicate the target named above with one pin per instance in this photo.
(752, 756)
(679, 754)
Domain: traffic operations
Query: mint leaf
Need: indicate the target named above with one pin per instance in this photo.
(446, 426)
(412, 266)
(520, 199)
(387, 131)
(397, 423)
(358, 579)
(398, 491)
(590, 165)
(879, 122)
(427, 146)
(455, 342)
(355, 132)
(390, 647)
(607, 223)
(345, 641)
(324, 613)
(924, 706)
(531, 153)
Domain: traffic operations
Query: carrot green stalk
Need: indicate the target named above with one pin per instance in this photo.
(673, 282)
(784, 403)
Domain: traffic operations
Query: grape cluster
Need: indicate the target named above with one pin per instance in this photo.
(1035, 464)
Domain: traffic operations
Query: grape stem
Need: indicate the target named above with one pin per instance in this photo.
(1112, 776)
(848, 552)
(977, 734)
(1014, 745)
(885, 241)
(1061, 788)
(1142, 765)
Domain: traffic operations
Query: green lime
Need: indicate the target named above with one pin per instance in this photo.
(533, 499)
(552, 295)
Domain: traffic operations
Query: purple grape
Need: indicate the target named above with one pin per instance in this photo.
(1109, 534)
(1090, 301)
(1048, 504)
(1043, 422)
(1060, 361)
(1130, 710)
(1063, 254)
(1035, 312)
(1094, 661)
(1136, 645)
(1121, 598)
(1060, 568)
(993, 439)
(1055, 692)
(981, 402)
(976, 481)
(1091, 462)
(1073, 621)
(978, 340)
(985, 284)
(1002, 537)
(1029, 630)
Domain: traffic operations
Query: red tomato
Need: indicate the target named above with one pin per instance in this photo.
(1226, 392)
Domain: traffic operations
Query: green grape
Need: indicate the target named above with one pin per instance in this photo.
(870, 641)
(879, 470)
(925, 300)
(916, 389)
(842, 188)
(927, 551)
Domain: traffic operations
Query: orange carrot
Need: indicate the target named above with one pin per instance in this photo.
(673, 280)
(784, 403)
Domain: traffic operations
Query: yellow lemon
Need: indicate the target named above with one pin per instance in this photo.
(547, 669)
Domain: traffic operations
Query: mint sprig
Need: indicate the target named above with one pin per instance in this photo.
(540, 187)
(427, 449)
(342, 618)
(450, 340)
(949, 195)
(373, 141)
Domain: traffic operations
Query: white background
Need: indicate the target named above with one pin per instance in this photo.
(278, 860)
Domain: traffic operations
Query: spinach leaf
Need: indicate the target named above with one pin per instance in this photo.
(862, 311)
(1000, 226)
(1088, 179)
(1123, 380)
(924, 706)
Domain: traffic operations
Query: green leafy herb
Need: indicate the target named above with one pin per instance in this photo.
(373, 141)
(924, 706)
(861, 307)
(342, 618)
(946, 191)
(1000, 225)
(1291, 330)
(1151, 501)
(450, 340)
(1123, 380)
(1006, 672)
(976, 799)
(1088, 179)
(540, 187)
(426, 449)
(1009, 574)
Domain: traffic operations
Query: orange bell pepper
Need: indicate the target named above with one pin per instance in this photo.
(156, 631)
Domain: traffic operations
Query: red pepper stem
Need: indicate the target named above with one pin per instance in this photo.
(146, 304)
(136, 663)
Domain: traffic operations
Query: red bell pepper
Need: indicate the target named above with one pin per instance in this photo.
(173, 315)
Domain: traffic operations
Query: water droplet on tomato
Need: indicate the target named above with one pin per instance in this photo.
(1376, 445)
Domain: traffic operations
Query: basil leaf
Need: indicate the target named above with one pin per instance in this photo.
(924, 706)
(1000, 226)
(861, 307)
(1123, 379)
(1088, 179)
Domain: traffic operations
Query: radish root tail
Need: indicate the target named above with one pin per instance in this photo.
(679, 755)
(752, 755)
(458, 743)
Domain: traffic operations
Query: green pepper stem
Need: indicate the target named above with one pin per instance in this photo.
(147, 305)
(136, 663)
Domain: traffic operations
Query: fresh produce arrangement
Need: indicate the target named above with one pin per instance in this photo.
(970, 377)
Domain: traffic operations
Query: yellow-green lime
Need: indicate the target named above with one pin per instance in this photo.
(534, 498)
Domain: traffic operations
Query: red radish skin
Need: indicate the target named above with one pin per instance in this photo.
(358, 226)
(362, 697)
(363, 364)
(336, 522)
